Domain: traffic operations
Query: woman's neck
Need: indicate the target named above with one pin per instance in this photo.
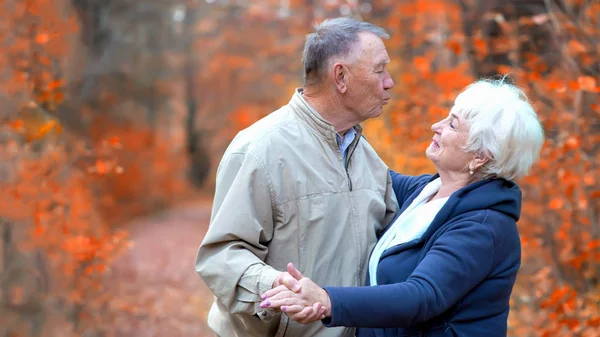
(451, 184)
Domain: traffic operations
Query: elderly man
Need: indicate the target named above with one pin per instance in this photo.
(302, 185)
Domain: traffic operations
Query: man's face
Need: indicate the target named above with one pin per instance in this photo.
(368, 80)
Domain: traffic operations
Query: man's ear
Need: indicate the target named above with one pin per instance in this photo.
(340, 76)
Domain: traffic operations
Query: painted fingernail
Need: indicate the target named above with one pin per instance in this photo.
(262, 304)
(267, 303)
(283, 308)
(263, 296)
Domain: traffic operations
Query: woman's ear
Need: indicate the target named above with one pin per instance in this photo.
(478, 161)
(339, 77)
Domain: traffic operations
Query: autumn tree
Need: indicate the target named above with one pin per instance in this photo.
(55, 244)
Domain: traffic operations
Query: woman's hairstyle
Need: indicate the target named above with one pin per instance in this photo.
(333, 37)
(503, 127)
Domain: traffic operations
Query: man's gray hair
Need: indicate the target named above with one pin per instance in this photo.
(333, 37)
(503, 127)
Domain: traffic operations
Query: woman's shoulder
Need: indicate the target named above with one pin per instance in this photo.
(499, 227)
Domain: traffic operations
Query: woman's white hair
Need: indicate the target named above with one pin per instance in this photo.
(503, 127)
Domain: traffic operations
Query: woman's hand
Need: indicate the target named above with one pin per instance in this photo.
(305, 315)
(309, 304)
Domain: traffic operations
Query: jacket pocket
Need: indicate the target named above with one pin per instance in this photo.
(314, 223)
(445, 330)
(283, 324)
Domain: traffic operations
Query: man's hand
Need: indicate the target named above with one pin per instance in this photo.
(289, 279)
(308, 304)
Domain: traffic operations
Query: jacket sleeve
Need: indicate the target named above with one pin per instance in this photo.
(404, 186)
(459, 260)
(231, 257)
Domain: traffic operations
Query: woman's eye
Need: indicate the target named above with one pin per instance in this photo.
(452, 125)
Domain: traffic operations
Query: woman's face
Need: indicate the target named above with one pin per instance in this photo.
(446, 150)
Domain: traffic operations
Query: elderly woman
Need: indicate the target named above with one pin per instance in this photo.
(447, 264)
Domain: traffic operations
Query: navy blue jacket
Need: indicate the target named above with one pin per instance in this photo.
(455, 280)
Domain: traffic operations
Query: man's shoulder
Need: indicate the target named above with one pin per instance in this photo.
(368, 151)
(265, 133)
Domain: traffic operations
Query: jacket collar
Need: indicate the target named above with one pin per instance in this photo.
(489, 194)
(315, 121)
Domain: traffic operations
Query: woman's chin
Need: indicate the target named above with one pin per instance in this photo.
(430, 151)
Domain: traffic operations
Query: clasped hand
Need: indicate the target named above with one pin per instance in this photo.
(299, 297)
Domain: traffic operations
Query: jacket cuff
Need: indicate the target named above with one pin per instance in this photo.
(266, 279)
(335, 299)
(265, 282)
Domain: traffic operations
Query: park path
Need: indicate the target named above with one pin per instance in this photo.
(155, 283)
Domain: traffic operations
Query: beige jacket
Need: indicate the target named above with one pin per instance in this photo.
(283, 194)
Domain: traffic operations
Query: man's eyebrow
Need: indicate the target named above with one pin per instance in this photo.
(381, 64)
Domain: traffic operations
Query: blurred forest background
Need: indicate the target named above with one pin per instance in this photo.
(115, 113)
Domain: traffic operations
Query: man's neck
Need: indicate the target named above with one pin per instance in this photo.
(342, 134)
(330, 109)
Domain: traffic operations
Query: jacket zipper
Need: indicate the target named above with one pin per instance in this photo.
(351, 151)
(349, 180)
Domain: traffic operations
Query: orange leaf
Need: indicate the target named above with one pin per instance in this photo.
(82, 248)
(573, 85)
(39, 230)
(572, 142)
(102, 167)
(422, 64)
(589, 179)
(504, 69)
(55, 84)
(587, 83)
(556, 85)
(561, 235)
(454, 46)
(44, 96)
(42, 38)
(115, 142)
(480, 45)
(534, 76)
(582, 203)
(593, 244)
(243, 117)
(585, 221)
(17, 125)
(43, 130)
(595, 322)
(59, 97)
(577, 46)
(556, 203)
